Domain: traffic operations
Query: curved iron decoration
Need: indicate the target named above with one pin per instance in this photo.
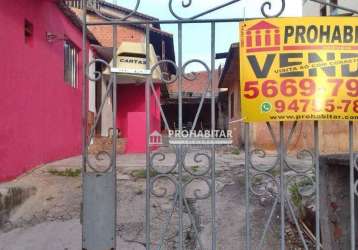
(197, 159)
(301, 156)
(196, 192)
(265, 191)
(163, 191)
(262, 153)
(188, 4)
(162, 158)
(303, 179)
(115, 19)
(163, 74)
(102, 155)
(268, 5)
(98, 74)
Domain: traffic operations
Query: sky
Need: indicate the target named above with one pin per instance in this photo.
(196, 37)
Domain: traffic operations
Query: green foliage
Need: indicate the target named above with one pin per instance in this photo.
(195, 169)
(275, 172)
(296, 197)
(142, 173)
(68, 172)
(235, 151)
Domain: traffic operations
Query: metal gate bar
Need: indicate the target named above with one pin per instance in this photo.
(353, 186)
(213, 127)
(317, 175)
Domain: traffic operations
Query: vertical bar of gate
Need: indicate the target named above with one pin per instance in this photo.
(247, 185)
(351, 182)
(114, 136)
(147, 118)
(84, 86)
(180, 121)
(84, 102)
(317, 170)
(282, 184)
(213, 189)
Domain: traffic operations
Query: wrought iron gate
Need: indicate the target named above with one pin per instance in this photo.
(99, 171)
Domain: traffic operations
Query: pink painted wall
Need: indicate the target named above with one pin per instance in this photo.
(40, 114)
(131, 115)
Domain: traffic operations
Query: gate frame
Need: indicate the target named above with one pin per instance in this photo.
(95, 231)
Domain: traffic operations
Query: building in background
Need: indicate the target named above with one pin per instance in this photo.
(311, 8)
(41, 84)
(195, 87)
(130, 91)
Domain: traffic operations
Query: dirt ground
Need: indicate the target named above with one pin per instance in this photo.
(50, 218)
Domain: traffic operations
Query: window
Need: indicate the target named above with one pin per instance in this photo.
(28, 31)
(70, 64)
(232, 105)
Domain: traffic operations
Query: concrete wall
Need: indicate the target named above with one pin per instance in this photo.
(313, 9)
(333, 136)
(41, 114)
(235, 124)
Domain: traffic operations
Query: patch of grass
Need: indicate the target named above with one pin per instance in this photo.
(257, 179)
(195, 169)
(185, 178)
(296, 197)
(274, 172)
(235, 151)
(68, 172)
(142, 173)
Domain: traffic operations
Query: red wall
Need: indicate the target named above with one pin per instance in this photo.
(131, 115)
(40, 114)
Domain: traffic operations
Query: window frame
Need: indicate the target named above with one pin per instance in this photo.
(71, 67)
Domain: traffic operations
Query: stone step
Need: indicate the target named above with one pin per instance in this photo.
(105, 144)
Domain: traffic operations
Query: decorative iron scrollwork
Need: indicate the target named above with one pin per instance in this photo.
(199, 158)
(268, 5)
(163, 75)
(161, 191)
(102, 161)
(198, 194)
(97, 74)
(102, 156)
(161, 157)
(269, 185)
(188, 4)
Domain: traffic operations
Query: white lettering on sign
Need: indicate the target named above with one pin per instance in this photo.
(131, 71)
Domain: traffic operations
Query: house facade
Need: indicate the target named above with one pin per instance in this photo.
(41, 87)
(193, 90)
(130, 90)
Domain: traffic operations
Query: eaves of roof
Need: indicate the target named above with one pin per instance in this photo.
(76, 21)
